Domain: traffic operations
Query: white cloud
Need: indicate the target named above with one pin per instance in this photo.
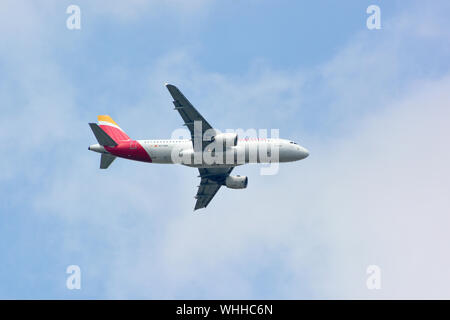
(384, 198)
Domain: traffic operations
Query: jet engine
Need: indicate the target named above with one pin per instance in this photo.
(226, 139)
(236, 182)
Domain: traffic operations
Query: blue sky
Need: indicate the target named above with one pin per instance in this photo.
(370, 105)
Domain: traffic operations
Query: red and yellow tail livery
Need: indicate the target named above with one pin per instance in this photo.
(112, 128)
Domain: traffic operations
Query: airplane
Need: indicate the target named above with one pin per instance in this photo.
(213, 153)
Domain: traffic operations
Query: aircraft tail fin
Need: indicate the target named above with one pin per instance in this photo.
(112, 128)
(102, 137)
(106, 160)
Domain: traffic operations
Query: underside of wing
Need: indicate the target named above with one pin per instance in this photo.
(190, 115)
(211, 178)
(211, 181)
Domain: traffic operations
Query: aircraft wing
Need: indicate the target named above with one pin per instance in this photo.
(211, 181)
(189, 114)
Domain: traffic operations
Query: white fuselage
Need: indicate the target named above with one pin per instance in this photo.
(255, 150)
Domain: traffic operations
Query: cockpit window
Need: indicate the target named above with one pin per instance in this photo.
(292, 142)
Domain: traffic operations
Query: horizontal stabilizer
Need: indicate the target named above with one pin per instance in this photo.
(106, 160)
(102, 137)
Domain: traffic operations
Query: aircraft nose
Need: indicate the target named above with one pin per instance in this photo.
(303, 153)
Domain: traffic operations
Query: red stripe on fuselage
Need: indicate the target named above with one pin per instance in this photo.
(130, 150)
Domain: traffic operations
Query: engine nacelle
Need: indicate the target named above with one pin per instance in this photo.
(236, 182)
(226, 140)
